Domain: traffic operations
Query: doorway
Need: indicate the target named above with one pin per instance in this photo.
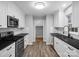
(39, 34)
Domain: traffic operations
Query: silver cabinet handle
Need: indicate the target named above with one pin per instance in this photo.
(56, 42)
(10, 55)
(70, 48)
(69, 56)
(9, 48)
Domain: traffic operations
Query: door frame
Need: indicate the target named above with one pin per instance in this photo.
(35, 32)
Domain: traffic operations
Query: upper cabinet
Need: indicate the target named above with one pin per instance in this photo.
(68, 13)
(60, 20)
(68, 9)
(3, 14)
(21, 21)
(61, 17)
(14, 11)
(11, 9)
(75, 14)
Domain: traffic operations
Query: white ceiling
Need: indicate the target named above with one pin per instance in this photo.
(27, 7)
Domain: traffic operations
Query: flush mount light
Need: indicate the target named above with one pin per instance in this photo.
(39, 5)
(64, 5)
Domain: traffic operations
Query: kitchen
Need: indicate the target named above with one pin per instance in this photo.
(29, 26)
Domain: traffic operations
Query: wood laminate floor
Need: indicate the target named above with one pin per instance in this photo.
(40, 50)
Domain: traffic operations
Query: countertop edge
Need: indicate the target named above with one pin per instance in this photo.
(66, 42)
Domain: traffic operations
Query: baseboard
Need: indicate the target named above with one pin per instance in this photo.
(30, 43)
(49, 43)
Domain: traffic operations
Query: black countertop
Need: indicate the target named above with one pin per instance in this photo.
(16, 37)
(5, 43)
(73, 42)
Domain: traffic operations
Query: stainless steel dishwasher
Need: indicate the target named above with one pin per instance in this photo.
(19, 47)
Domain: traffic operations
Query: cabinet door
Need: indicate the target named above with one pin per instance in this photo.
(5, 54)
(60, 19)
(21, 21)
(63, 20)
(65, 50)
(68, 11)
(11, 50)
(57, 48)
(75, 14)
(56, 16)
(60, 48)
(73, 52)
(25, 41)
(15, 11)
(12, 9)
(3, 14)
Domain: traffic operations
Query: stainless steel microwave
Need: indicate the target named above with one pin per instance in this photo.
(12, 22)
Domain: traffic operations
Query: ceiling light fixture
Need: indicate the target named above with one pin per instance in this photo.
(40, 5)
(64, 5)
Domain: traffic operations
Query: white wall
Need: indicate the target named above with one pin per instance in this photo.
(39, 20)
(48, 29)
(29, 29)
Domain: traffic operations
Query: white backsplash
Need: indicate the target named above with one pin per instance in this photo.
(16, 30)
(75, 36)
(60, 30)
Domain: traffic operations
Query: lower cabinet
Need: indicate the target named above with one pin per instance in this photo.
(59, 48)
(8, 51)
(25, 41)
(65, 50)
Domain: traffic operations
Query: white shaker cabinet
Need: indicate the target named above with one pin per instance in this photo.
(26, 38)
(75, 14)
(21, 21)
(73, 52)
(3, 14)
(56, 19)
(60, 19)
(65, 50)
(14, 10)
(60, 48)
(8, 51)
(68, 9)
(11, 9)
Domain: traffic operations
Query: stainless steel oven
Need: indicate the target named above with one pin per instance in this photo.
(12, 22)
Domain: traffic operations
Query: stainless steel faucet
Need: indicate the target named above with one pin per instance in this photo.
(64, 27)
(69, 26)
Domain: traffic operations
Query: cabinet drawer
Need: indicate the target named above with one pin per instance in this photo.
(8, 51)
(10, 46)
(73, 51)
(4, 55)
